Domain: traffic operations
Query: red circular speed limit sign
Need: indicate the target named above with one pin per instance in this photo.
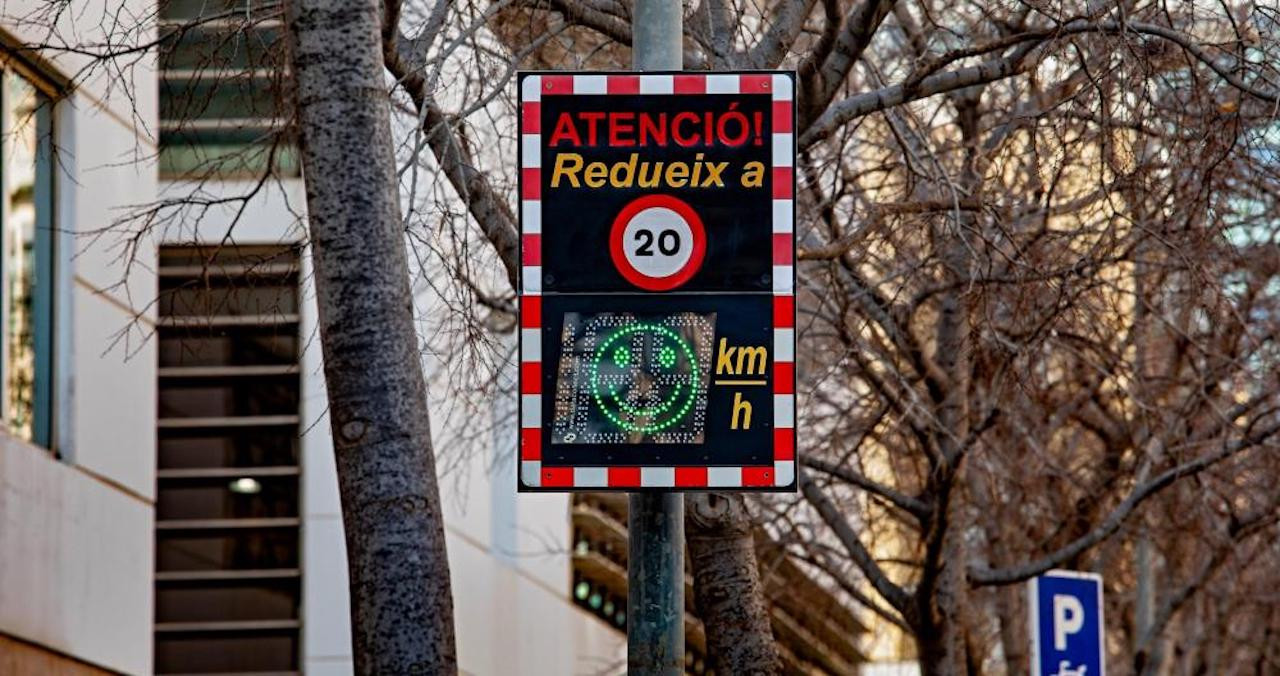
(657, 242)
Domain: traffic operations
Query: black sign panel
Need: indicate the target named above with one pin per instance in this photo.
(657, 294)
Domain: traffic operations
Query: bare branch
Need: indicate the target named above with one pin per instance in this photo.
(782, 33)
(844, 532)
(914, 506)
(989, 576)
(997, 69)
(491, 212)
(860, 25)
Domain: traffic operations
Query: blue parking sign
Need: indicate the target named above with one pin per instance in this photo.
(1066, 624)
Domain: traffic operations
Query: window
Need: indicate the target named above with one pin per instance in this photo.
(26, 259)
(228, 569)
(221, 75)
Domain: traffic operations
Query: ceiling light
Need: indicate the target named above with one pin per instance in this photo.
(246, 485)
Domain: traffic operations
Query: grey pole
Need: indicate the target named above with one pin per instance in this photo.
(655, 585)
(655, 521)
(657, 29)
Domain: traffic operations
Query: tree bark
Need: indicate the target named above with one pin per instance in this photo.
(401, 606)
(726, 585)
(940, 644)
(934, 657)
(939, 629)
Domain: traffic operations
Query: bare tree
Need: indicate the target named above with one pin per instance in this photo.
(1008, 209)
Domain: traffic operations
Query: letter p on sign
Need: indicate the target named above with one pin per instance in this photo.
(1068, 618)
(1067, 630)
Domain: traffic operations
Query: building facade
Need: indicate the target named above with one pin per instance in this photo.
(77, 455)
(168, 498)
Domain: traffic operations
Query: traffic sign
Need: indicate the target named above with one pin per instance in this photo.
(1067, 628)
(657, 242)
(657, 294)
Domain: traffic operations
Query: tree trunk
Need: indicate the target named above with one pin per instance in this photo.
(939, 627)
(401, 606)
(726, 585)
(932, 650)
(941, 653)
(1013, 637)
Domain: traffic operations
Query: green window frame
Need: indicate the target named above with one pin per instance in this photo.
(27, 256)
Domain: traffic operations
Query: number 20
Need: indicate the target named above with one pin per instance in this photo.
(668, 242)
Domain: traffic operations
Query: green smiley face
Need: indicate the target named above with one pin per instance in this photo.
(637, 379)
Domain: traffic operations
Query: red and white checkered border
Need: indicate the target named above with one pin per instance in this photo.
(783, 471)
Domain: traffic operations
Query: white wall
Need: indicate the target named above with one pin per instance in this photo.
(512, 609)
(112, 387)
(509, 622)
(76, 535)
(890, 669)
(75, 561)
(509, 558)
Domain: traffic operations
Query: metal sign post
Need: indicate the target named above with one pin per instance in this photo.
(655, 521)
(657, 298)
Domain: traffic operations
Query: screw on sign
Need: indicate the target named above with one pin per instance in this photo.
(657, 340)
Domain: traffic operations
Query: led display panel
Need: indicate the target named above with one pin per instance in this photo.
(627, 379)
